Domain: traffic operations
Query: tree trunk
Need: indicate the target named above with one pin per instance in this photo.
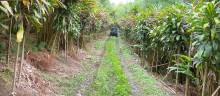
(177, 75)
(67, 44)
(204, 80)
(187, 77)
(9, 44)
(15, 68)
(157, 60)
(78, 43)
(153, 62)
(54, 41)
(22, 60)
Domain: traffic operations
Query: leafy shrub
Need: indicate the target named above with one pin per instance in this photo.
(41, 46)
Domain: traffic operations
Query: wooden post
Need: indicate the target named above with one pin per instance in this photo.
(189, 55)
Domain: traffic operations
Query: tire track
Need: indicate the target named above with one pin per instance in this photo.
(136, 89)
(83, 87)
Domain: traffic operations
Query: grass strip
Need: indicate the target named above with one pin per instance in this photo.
(149, 83)
(110, 79)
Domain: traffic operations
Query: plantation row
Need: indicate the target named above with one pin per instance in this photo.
(110, 79)
(183, 38)
(47, 25)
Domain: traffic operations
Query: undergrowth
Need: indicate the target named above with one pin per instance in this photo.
(110, 79)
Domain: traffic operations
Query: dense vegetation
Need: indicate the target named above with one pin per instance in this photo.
(177, 39)
(49, 25)
(183, 37)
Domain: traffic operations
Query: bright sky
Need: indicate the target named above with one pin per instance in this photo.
(120, 1)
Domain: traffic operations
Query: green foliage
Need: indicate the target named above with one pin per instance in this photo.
(110, 79)
(182, 67)
(169, 30)
(206, 36)
(41, 46)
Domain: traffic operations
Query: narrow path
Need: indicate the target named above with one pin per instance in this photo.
(136, 89)
(83, 87)
(104, 79)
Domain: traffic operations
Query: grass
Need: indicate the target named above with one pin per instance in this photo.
(110, 79)
(151, 85)
(99, 44)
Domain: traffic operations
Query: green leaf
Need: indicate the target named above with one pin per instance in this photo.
(172, 68)
(20, 32)
(208, 50)
(184, 57)
(4, 9)
(4, 26)
(215, 45)
(6, 5)
(216, 21)
(53, 2)
(178, 24)
(178, 37)
(213, 31)
(217, 57)
(200, 51)
(35, 21)
(205, 26)
(36, 14)
(181, 30)
(8, 71)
